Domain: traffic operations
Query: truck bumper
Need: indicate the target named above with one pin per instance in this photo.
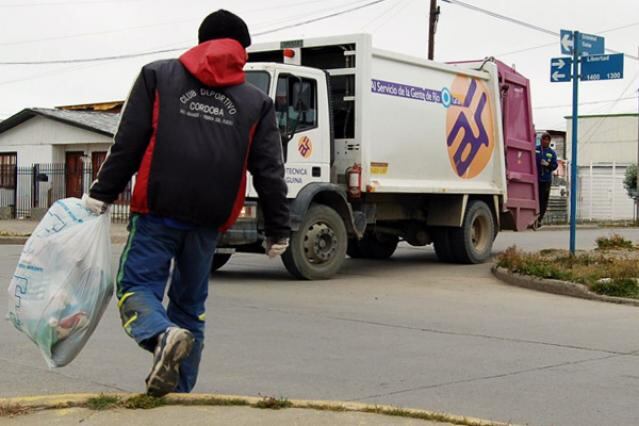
(241, 234)
(244, 232)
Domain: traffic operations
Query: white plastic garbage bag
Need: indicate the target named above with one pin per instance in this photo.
(63, 281)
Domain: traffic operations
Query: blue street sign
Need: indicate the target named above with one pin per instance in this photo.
(590, 44)
(602, 67)
(560, 69)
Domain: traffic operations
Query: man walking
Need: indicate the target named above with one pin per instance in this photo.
(546, 164)
(190, 129)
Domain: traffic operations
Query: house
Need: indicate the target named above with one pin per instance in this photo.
(607, 145)
(47, 154)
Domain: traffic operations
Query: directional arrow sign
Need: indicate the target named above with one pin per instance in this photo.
(565, 37)
(590, 44)
(560, 69)
(602, 67)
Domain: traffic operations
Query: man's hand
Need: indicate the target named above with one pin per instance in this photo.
(275, 248)
(545, 163)
(96, 206)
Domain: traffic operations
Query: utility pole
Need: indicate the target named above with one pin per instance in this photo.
(432, 28)
(576, 54)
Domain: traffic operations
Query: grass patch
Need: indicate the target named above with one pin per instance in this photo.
(433, 417)
(103, 402)
(11, 410)
(143, 402)
(268, 402)
(614, 242)
(621, 287)
(12, 234)
(603, 273)
(210, 401)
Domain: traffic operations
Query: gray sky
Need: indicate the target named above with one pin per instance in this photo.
(34, 30)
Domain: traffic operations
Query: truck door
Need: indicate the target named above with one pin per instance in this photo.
(302, 117)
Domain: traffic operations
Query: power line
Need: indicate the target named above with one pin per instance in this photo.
(155, 52)
(321, 18)
(60, 3)
(390, 14)
(519, 22)
(159, 24)
(586, 103)
(502, 17)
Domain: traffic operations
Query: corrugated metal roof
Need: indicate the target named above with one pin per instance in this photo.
(101, 122)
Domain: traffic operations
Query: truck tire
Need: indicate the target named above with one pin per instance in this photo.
(219, 260)
(375, 246)
(473, 242)
(441, 242)
(318, 249)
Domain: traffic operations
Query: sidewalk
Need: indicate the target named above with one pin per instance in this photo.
(198, 409)
(15, 231)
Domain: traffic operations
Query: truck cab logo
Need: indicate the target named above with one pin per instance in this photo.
(469, 127)
(305, 147)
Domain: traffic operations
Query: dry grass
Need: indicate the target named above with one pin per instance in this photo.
(11, 410)
(614, 242)
(613, 273)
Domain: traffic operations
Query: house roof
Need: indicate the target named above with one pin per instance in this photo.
(104, 123)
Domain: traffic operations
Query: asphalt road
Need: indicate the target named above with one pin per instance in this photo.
(409, 331)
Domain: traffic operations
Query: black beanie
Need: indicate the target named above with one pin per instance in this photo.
(224, 24)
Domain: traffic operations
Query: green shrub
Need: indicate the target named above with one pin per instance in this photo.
(614, 241)
(620, 287)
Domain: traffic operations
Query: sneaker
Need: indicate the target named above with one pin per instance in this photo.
(173, 346)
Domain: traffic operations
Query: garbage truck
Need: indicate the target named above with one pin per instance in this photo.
(381, 147)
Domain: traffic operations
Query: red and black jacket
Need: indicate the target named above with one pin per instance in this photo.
(191, 128)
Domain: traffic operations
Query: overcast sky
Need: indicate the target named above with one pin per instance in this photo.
(37, 30)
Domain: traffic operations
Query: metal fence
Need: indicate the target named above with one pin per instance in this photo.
(37, 187)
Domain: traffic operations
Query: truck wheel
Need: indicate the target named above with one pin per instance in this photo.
(317, 250)
(441, 242)
(473, 242)
(219, 260)
(375, 246)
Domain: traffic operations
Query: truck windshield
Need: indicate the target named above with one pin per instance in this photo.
(259, 79)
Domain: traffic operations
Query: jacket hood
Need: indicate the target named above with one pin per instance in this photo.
(216, 62)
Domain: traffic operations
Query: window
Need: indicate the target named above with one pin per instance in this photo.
(8, 170)
(259, 79)
(296, 103)
(97, 158)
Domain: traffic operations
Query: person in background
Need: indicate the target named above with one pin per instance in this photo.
(546, 164)
(191, 128)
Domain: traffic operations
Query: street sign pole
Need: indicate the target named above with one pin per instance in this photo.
(575, 116)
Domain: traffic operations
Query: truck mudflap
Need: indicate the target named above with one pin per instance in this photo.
(522, 205)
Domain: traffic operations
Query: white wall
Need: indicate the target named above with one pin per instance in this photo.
(30, 154)
(601, 194)
(604, 139)
(41, 140)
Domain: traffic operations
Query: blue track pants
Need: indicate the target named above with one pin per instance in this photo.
(143, 276)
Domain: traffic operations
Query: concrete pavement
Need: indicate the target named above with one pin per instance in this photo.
(409, 332)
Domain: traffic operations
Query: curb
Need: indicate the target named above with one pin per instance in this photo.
(563, 288)
(52, 402)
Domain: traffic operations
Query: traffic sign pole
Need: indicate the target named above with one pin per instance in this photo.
(575, 116)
